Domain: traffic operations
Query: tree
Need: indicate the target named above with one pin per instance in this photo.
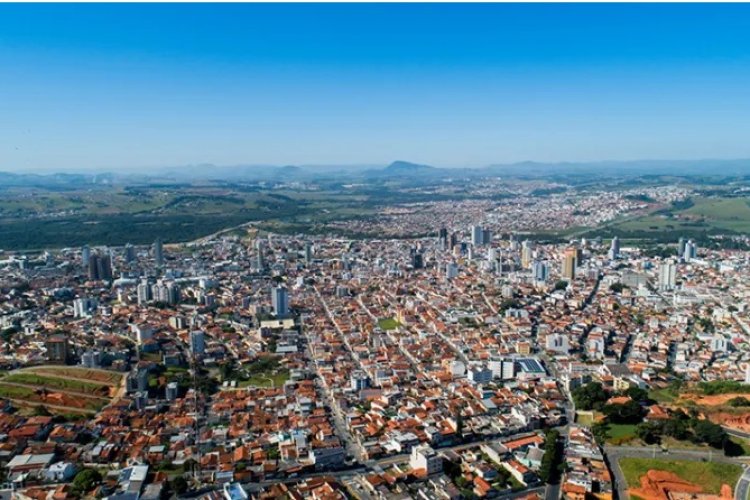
(637, 394)
(617, 287)
(648, 432)
(8, 333)
(551, 460)
(179, 485)
(600, 430)
(677, 428)
(561, 285)
(625, 413)
(41, 411)
(590, 396)
(710, 433)
(86, 480)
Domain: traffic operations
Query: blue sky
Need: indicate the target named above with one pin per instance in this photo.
(131, 86)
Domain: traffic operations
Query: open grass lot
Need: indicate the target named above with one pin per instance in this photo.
(388, 324)
(58, 383)
(666, 395)
(709, 475)
(263, 380)
(620, 433)
(14, 392)
(101, 376)
(585, 418)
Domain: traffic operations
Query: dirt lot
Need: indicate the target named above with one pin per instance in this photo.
(662, 485)
(715, 400)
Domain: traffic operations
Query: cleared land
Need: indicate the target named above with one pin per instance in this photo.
(61, 389)
(709, 475)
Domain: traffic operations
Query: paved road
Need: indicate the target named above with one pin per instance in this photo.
(735, 432)
(743, 486)
(552, 492)
(671, 454)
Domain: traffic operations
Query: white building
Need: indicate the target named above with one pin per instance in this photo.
(83, 307)
(558, 343)
(424, 457)
(667, 276)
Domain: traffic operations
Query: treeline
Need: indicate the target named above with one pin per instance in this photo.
(723, 387)
(552, 463)
(684, 427)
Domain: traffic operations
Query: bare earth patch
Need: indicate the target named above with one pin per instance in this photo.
(713, 400)
(663, 485)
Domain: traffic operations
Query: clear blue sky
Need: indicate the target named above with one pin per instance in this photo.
(137, 85)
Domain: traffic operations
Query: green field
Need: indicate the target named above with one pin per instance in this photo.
(585, 418)
(620, 433)
(263, 380)
(93, 375)
(388, 324)
(666, 395)
(713, 215)
(13, 392)
(177, 213)
(58, 383)
(709, 475)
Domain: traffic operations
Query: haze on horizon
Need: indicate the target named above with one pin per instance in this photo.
(133, 86)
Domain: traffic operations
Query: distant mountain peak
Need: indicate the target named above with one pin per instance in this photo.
(400, 166)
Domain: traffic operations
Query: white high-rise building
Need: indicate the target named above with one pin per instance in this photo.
(667, 275)
(143, 291)
(614, 248)
(540, 270)
(83, 307)
(691, 251)
(527, 253)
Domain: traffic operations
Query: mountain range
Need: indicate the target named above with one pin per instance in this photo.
(397, 170)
